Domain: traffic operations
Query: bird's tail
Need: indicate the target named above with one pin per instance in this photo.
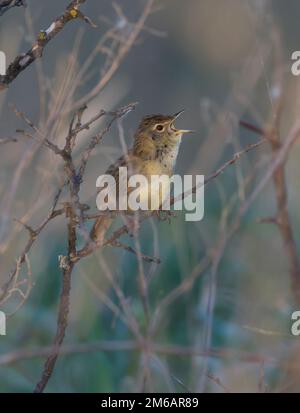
(97, 235)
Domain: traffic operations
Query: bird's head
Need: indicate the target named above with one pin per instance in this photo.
(161, 129)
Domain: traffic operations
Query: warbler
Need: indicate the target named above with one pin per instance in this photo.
(154, 152)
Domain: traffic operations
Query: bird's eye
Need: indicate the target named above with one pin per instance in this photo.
(159, 127)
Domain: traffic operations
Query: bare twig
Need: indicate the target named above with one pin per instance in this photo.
(152, 347)
(5, 5)
(25, 354)
(218, 381)
(24, 60)
(64, 305)
(7, 140)
(121, 53)
(5, 290)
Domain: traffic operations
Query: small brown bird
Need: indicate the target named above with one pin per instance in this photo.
(154, 152)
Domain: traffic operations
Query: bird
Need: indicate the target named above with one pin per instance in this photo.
(154, 152)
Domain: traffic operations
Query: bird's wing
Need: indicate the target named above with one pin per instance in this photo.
(133, 166)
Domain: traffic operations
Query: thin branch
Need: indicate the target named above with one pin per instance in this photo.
(33, 235)
(120, 55)
(218, 382)
(5, 5)
(7, 140)
(130, 249)
(24, 60)
(25, 354)
(150, 347)
(64, 305)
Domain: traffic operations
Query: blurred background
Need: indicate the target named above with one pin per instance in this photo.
(228, 327)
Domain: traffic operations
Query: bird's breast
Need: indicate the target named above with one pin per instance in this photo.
(157, 188)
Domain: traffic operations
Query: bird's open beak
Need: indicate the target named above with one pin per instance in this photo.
(183, 131)
(186, 131)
